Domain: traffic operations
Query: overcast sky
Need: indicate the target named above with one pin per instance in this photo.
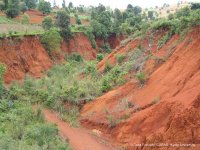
(121, 3)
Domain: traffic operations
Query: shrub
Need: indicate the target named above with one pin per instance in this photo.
(2, 71)
(90, 68)
(106, 47)
(120, 58)
(47, 23)
(163, 40)
(107, 67)
(76, 57)
(106, 84)
(100, 57)
(51, 40)
(142, 78)
(25, 19)
(91, 38)
(42, 133)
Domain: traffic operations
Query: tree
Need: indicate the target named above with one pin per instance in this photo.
(31, 4)
(63, 4)
(13, 8)
(70, 6)
(51, 40)
(47, 23)
(151, 15)
(54, 3)
(99, 29)
(195, 6)
(137, 10)
(129, 7)
(44, 7)
(118, 15)
(63, 22)
(5, 4)
(78, 20)
(2, 6)
(23, 7)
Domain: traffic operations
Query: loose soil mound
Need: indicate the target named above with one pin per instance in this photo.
(165, 110)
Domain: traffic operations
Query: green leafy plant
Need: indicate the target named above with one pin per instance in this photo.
(142, 77)
(51, 40)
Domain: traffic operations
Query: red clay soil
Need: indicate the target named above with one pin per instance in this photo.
(130, 46)
(23, 56)
(165, 110)
(36, 17)
(80, 44)
(79, 138)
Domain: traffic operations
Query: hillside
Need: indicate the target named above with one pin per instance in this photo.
(94, 78)
(167, 105)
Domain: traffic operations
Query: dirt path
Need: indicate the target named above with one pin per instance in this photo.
(79, 138)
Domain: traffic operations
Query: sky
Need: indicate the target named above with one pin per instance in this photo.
(121, 4)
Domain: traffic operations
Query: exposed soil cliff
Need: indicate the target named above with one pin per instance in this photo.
(165, 110)
(23, 56)
(79, 44)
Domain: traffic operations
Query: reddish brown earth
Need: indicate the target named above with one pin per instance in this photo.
(165, 110)
(130, 45)
(23, 56)
(79, 138)
(113, 40)
(36, 17)
(27, 55)
(79, 44)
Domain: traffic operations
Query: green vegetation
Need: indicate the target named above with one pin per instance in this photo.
(142, 77)
(51, 40)
(63, 23)
(4, 20)
(25, 19)
(21, 127)
(13, 8)
(100, 57)
(44, 7)
(47, 23)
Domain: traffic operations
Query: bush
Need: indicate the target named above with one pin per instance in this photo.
(2, 71)
(91, 38)
(106, 47)
(120, 58)
(25, 19)
(76, 57)
(100, 57)
(90, 68)
(51, 40)
(108, 67)
(47, 23)
(142, 78)
(163, 40)
(42, 133)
